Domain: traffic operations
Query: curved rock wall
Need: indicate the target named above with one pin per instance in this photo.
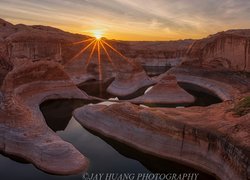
(201, 137)
(36, 50)
(166, 91)
(212, 81)
(126, 83)
(23, 131)
(161, 53)
(20, 44)
(223, 50)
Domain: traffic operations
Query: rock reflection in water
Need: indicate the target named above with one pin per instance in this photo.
(152, 163)
(103, 157)
(101, 150)
(58, 113)
(97, 88)
(97, 150)
(203, 97)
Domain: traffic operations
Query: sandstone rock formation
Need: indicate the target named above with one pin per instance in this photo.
(129, 81)
(150, 53)
(20, 44)
(207, 138)
(211, 138)
(229, 49)
(166, 91)
(23, 130)
(5, 67)
(211, 81)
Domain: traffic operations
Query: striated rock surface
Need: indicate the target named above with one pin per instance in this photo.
(209, 138)
(166, 91)
(129, 81)
(20, 44)
(229, 49)
(23, 130)
(154, 53)
(214, 82)
(5, 67)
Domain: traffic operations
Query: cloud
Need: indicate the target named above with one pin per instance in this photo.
(179, 18)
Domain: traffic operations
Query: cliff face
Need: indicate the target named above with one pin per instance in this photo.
(201, 137)
(161, 53)
(21, 43)
(24, 132)
(230, 50)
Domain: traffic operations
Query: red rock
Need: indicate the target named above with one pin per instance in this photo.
(153, 53)
(229, 49)
(5, 67)
(166, 91)
(127, 82)
(24, 132)
(214, 82)
(20, 44)
(209, 138)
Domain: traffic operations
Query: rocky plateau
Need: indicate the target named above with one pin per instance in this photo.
(38, 63)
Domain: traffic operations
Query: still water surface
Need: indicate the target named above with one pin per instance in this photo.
(105, 155)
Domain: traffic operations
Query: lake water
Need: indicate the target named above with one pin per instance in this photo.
(95, 88)
(105, 155)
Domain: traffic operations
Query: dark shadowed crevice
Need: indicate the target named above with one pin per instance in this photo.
(97, 88)
(203, 97)
(59, 111)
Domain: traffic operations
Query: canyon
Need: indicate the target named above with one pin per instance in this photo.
(39, 63)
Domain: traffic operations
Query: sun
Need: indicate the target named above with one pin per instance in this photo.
(98, 34)
(98, 44)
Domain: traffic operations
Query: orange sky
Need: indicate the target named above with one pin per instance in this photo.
(132, 19)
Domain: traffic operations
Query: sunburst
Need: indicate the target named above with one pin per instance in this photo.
(98, 34)
(98, 44)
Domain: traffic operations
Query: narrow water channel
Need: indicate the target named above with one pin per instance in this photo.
(105, 155)
(202, 96)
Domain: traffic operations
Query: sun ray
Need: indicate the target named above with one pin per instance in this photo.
(99, 66)
(99, 60)
(82, 51)
(99, 44)
(124, 57)
(90, 56)
(108, 56)
(83, 41)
